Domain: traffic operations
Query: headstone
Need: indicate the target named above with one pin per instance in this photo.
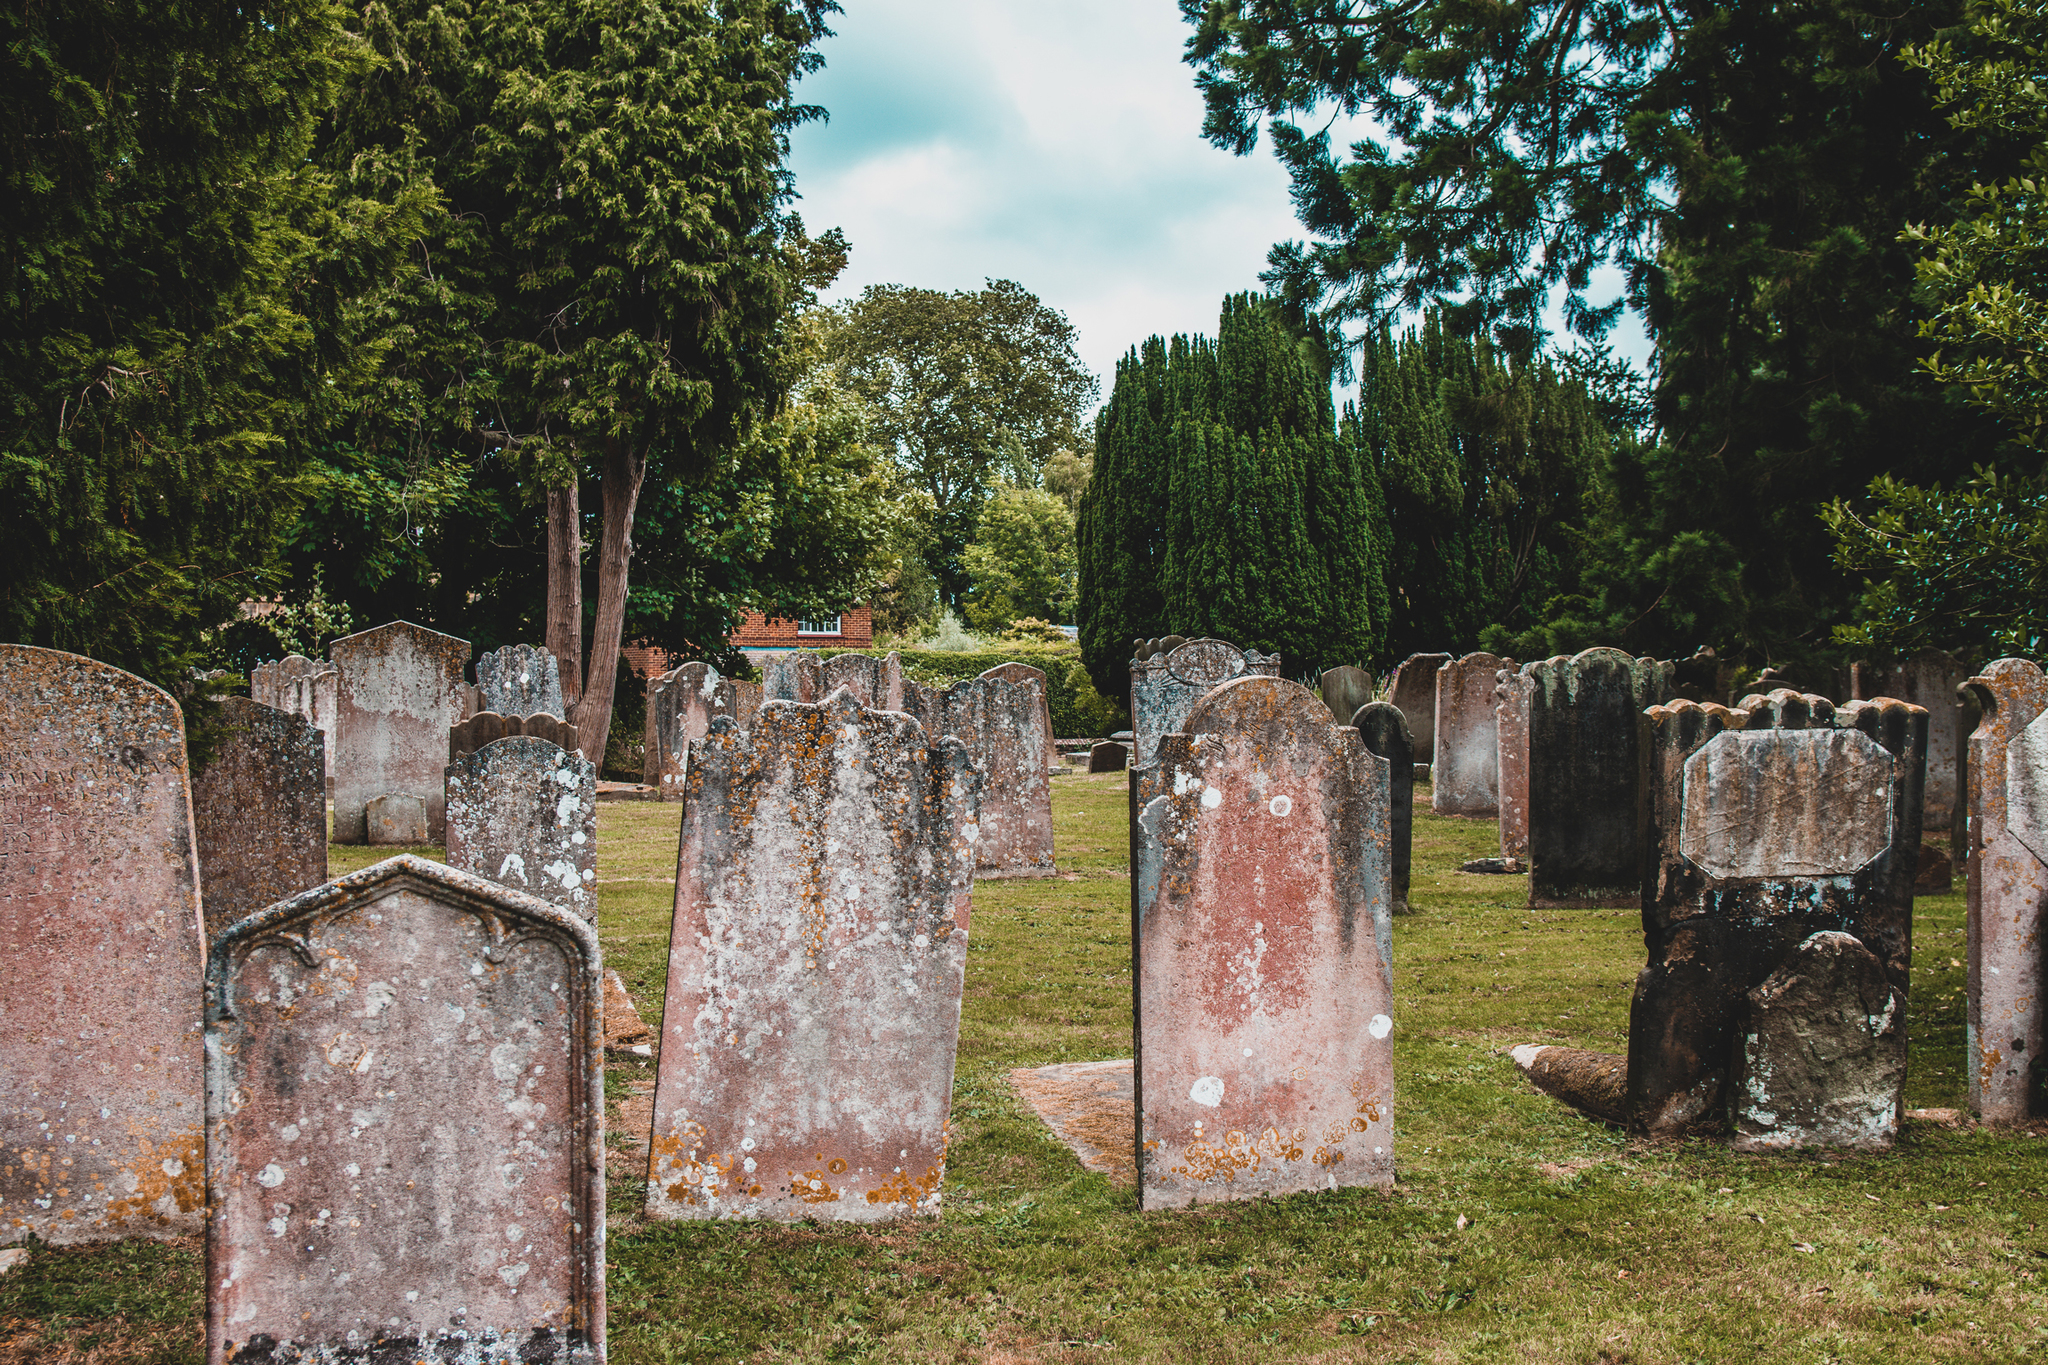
(1511, 720)
(488, 727)
(798, 675)
(400, 691)
(1824, 1052)
(405, 1115)
(259, 811)
(812, 1014)
(1263, 955)
(1929, 681)
(1585, 825)
(1024, 675)
(305, 688)
(1769, 824)
(1002, 723)
(1108, 756)
(1415, 694)
(681, 705)
(875, 683)
(101, 1111)
(1345, 689)
(519, 680)
(1384, 731)
(1167, 683)
(396, 820)
(2006, 1045)
(523, 812)
(1464, 774)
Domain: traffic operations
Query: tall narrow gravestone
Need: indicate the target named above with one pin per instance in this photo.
(1384, 731)
(101, 1112)
(519, 680)
(259, 811)
(523, 812)
(1511, 719)
(1263, 937)
(1344, 690)
(798, 675)
(1024, 675)
(1932, 681)
(1415, 694)
(681, 705)
(400, 690)
(823, 887)
(1464, 774)
(1585, 821)
(2006, 1049)
(304, 688)
(1002, 723)
(405, 1126)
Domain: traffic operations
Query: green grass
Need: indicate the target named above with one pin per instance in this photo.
(1579, 1245)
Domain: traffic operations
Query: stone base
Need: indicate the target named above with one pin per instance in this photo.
(396, 821)
(1594, 1083)
(1091, 1107)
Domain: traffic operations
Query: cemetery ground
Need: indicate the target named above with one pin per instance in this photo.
(1518, 1231)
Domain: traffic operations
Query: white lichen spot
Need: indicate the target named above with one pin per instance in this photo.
(290, 1132)
(513, 866)
(378, 998)
(1212, 797)
(513, 1274)
(1281, 805)
(1207, 1091)
(970, 831)
(271, 1176)
(172, 1167)
(1380, 1026)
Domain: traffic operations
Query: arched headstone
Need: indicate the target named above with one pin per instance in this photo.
(1464, 772)
(1585, 820)
(400, 691)
(522, 811)
(680, 707)
(1415, 694)
(1384, 731)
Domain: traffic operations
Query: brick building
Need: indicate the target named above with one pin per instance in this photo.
(759, 637)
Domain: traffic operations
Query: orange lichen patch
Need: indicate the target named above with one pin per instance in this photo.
(682, 1175)
(173, 1169)
(902, 1189)
(1238, 1152)
(812, 1187)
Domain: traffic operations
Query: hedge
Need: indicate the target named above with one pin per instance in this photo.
(1078, 710)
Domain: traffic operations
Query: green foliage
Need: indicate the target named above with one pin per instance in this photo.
(1078, 710)
(1021, 560)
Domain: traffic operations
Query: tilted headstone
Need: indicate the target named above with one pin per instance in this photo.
(1464, 774)
(2007, 922)
(1263, 940)
(1511, 721)
(523, 811)
(876, 683)
(405, 1126)
(101, 1109)
(812, 1015)
(1166, 683)
(1585, 821)
(400, 691)
(798, 675)
(1003, 724)
(1345, 689)
(1384, 731)
(488, 727)
(259, 811)
(1415, 694)
(1108, 756)
(681, 705)
(519, 680)
(1768, 825)
(1929, 681)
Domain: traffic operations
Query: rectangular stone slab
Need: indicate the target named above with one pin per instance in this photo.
(1464, 772)
(1004, 726)
(405, 1105)
(1585, 784)
(400, 690)
(523, 812)
(1511, 720)
(259, 810)
(1415, 694)
(101, 1111)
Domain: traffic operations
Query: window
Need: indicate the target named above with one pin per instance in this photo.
(828, 626)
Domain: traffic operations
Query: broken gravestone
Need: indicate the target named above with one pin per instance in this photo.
(1263, 955)
(1415, 693)
(1511, 719)
(812, 1014)
(259, 811)
(519, 680)
(101, 1110)
(1002, 723)
(1463, 775)
(1823, 1059)
(1584, 820)
(523, 812)
(396, 820)
(405, 1125)
(1344, 689)
(876, 683)
(400, 690)
(681, 705)
(1384, 731)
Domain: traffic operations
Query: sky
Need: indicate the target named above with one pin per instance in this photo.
(1056, 143)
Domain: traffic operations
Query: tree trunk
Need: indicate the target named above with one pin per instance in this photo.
(624, 468)
(565, 592)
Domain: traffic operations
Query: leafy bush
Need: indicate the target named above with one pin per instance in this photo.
(1078, 710)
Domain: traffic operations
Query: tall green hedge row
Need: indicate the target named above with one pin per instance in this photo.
(1078, 710)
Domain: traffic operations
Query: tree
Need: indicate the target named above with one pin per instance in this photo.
(972, 389)
(1120, 528)
(1021, 560)
(183, 308)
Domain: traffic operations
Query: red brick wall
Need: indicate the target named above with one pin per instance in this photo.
(856, 631)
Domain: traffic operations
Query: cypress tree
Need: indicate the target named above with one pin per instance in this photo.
(1120, 528)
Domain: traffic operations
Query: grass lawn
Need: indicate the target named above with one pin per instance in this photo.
(1577, 1244)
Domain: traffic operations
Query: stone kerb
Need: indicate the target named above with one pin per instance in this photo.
(1415, 694)
(1263, 955)
(101, 1108)
(522, 811)
(2007, 1019)
(1166, 683)
(824, 883)
(405, 1108)
(1006, 727)
(1511, 721)
(519, 680)
(1384, 731)
(1585, 817)
(796, 676)
(681, 705)
(400, 691)
(1464, 771)
(259, 811)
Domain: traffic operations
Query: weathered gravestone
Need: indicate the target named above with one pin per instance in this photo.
(1024, 675)
(304, 687)
(523, 812)
(1344, 689)
(1930, 681)
(798, 675)
(400, 690)
(488, 727)
(1166, 683)
(1464, 775)
(1263, 939)
(876, 683)
(1384, 731)
(1511, 720)
(1823, 1052)
(1003, 725)
(101, 1110)
(259, 811)
(1108, 756)
(405, 1114)
(1585, 819)
(1415, 694)
(823, 887)
(2007, 1045)
(396, 820)
(681, 705)
(518, 680)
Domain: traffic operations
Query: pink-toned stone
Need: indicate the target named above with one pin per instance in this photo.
(1264, 951)
(1024, 675)
(101, 1109)
(1511, 719)
(259, 811)
(1005, 728)
(401, 689)
(1464, 774)
(823, 889)
(876, 683)
(523, 812)
(681, 705)
(405, 1113)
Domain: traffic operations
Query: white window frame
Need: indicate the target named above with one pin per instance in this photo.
(804, 627)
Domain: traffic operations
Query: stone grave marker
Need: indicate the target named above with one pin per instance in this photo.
(519, 680)
(1823, 1060)
(1345, 689)
(101, 1107)
(1511, 720)
(681, 705)
(876, 683)
(1464, 771)
(396, 820)
(259, 811)
(1384, 731)
(1585, 821)
(1415, 694)
(2007, 870)
(1108, 756)
(1930, 681)
(798, 675)
(1003, 725)
(405, 1113)
(823, 889)
(1263, 955)
(1166, 683)
(523, 812)
(400, 691)
(488, 727)
(305, 688)
(1023, 675)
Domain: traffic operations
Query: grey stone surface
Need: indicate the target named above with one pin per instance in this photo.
(1344, 689)
(1511, 722)
(876, 682)
(1594, 1083)
(396, 820)
(101, 1110)
(304, 687)
(1786, 803)
(1415, 694)
(1824, 1052)
(523, 812)
(1464, 773)
(1023, 675)
(797, 676)
(405, 1113)
(1005, 728)
(1108, 756)
(1384, 731)
(681, 705)
(824, 884)
(259, 811)
(1930, 681)
(1168, 682)
(400, 691)
(518, 680)
(1585, 780)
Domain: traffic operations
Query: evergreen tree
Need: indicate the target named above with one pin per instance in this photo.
(1120, 531)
